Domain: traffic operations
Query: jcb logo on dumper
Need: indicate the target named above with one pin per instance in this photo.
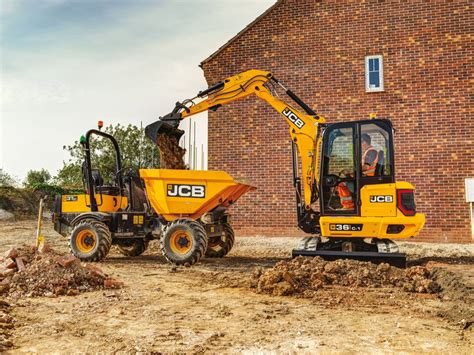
(293, 118)
(381, 199)
(177, 190)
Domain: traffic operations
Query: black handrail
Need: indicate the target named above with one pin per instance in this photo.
(118, 164)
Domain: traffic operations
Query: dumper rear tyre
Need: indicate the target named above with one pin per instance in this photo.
(218, 247)
(134, 248)
(90, 240)
(184, 242)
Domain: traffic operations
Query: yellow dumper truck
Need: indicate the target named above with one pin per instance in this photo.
(186, 210)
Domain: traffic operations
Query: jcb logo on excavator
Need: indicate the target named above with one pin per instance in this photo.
(293, 118)
(375, 199)
(177, 190)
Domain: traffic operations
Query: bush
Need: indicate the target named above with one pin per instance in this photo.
(35, 177)
(7, 180)
(24, 202)
(53, 190)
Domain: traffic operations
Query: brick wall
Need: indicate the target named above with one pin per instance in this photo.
(317, 49)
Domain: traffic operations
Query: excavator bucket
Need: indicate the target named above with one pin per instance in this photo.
(159, 127)
(177, 194)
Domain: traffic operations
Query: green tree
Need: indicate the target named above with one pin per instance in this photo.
(137, 152)
(37, 177)
(70, 175)
(6, 179)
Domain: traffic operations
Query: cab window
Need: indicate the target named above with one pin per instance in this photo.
(375, 151)
(340, 152)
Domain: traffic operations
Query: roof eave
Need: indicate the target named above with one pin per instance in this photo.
(240, 33)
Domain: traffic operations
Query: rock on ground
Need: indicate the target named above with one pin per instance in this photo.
(6, 326)
(27, 272)
(6, 216)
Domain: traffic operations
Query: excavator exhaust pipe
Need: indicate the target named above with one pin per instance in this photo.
(160, 127)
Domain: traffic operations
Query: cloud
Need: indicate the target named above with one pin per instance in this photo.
(67, 64)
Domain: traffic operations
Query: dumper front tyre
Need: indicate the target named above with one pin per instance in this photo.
(184, 242)
(219, 246)
(134, 247)
(90, 240)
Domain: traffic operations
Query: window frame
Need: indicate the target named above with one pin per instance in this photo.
(367, 79)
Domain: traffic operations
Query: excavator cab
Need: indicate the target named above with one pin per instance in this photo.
(354, 154)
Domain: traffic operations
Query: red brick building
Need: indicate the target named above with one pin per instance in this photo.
(319, 49)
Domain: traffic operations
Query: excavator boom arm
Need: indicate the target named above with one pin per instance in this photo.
(303, 126)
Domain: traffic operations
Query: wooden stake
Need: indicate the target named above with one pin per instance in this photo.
(39, 235)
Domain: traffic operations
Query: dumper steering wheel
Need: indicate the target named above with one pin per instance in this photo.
(118, 174)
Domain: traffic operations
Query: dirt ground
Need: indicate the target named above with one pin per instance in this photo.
(210, 307)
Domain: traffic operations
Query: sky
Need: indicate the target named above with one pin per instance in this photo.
(65, 64)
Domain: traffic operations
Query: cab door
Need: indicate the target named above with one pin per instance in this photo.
(339, 170)
(377, 190)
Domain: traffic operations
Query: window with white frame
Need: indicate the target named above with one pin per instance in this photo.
(373, 73)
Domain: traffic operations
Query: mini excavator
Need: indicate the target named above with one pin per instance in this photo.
(347, 197)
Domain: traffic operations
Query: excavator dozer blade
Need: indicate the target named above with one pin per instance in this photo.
(395, 259)
(157, 128)
(384, 251)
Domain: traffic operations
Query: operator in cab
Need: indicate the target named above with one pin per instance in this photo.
(369, 163)
(369, 156)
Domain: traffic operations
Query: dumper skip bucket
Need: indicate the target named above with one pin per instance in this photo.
(189, 193)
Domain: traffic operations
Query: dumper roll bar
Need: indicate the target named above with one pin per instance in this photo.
(118, 165)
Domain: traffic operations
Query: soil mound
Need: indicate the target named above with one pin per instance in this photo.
(26, 272)
(303, 276)
(171, 153)
(457, 296)
(6, 326)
